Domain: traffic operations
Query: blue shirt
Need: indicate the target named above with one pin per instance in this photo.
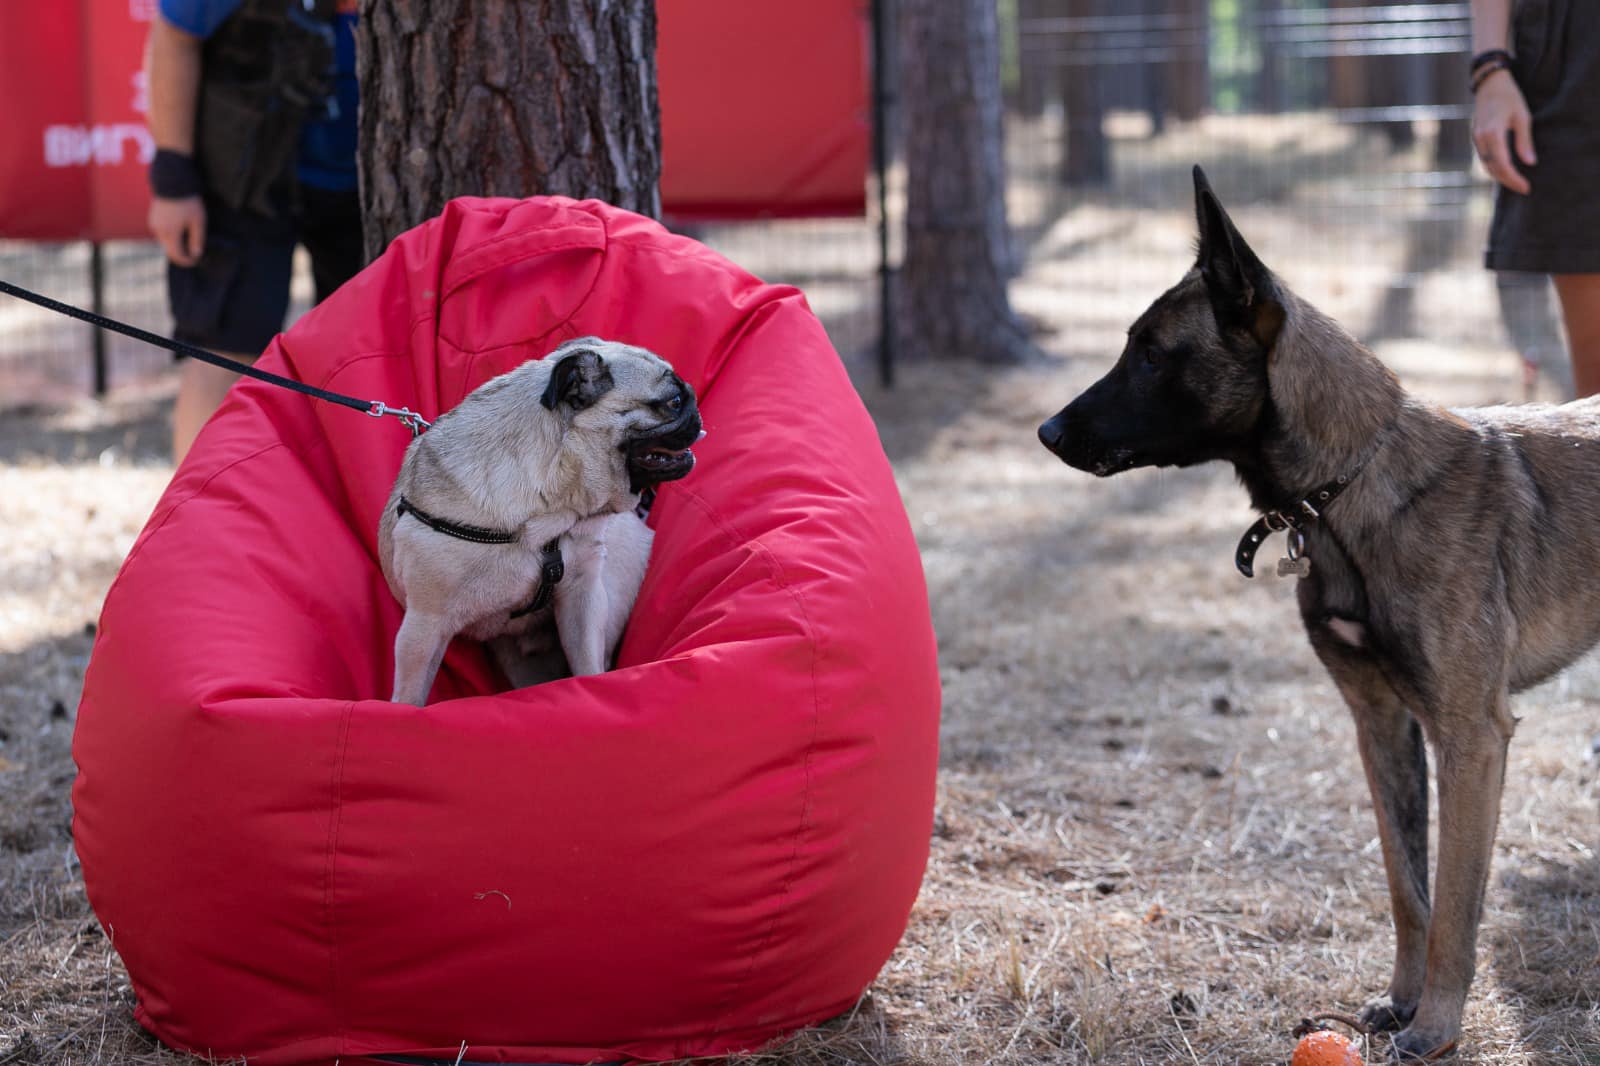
(328, 140)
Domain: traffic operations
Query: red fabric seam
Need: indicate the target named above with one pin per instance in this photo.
(335, 816)
(776, 571)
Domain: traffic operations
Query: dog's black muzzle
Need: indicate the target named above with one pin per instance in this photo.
(1073, 434)
(663, 454)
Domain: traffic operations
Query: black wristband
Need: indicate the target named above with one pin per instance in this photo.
(1481, 73)
(1490, 56)
(174, 176)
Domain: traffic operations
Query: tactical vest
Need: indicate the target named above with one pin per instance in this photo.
(265, 69)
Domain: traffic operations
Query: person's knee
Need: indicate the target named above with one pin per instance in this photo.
(201, 389)
(202, 379)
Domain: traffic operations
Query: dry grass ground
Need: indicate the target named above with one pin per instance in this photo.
(1153, 841)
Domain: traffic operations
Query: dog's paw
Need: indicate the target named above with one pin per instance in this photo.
(1414, 1044)
(1384, 1015)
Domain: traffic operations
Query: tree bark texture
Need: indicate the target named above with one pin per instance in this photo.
(958, 248)
(504, 98)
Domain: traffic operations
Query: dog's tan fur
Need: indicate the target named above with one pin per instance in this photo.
(514, 456)
(1459, 565)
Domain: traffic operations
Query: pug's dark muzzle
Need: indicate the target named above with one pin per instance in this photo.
(663, 454)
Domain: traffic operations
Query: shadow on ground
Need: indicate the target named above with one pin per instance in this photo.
(134, 429)
(1549, 958)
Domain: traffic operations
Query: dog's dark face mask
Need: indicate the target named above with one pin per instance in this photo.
(1191, 384)
(635, 398)
(660, 452)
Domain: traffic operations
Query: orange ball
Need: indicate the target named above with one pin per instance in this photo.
(1325, 1048)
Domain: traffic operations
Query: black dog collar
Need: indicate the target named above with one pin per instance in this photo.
(1296, 516)
(1303, 512)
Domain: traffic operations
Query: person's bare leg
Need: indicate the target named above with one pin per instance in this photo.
(1580, 312)
(201, 389)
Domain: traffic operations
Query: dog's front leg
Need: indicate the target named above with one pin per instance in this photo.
(418, 650)
(1471, 753)
(606, 562)
(1396, 764)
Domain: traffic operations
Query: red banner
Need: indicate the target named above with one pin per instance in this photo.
(763, 113)
(763, 107)
(73, 146)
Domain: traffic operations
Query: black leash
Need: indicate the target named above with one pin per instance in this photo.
(376, 408)
(551, 566)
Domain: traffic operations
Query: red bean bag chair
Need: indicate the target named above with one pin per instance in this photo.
(698, 852)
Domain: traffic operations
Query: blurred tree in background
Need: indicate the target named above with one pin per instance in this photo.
(958, 254)
(501, 98)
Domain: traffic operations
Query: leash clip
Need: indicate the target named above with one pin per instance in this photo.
(408, 418)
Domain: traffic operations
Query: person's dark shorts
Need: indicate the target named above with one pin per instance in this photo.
(236, 297)
(1555, 229)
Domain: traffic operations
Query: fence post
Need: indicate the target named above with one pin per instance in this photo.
(97, 303)
(880, 165)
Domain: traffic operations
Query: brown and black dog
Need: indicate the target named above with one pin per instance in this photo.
(1446, 558)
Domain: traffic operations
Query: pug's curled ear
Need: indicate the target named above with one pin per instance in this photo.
(1243, 292)
(578, 380)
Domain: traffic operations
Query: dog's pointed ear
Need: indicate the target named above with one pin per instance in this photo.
(1243, 292)
(578, 379)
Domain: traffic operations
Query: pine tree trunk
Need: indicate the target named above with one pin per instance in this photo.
(958, 249)
(504, 98)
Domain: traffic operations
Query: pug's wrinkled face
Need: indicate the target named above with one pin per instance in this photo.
(633, 399)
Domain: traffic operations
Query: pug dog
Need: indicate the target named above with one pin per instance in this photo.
(515, 517)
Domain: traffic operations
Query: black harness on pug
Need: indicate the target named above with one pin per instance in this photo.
(551, 567)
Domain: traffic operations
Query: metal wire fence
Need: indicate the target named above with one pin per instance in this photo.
(1335, 132)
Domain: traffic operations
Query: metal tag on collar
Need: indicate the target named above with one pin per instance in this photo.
(1298, 564)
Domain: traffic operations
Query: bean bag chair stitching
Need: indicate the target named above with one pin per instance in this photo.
(517, 255)
(464, 267)
(438, 313)
(336, 817)
(452, 284)
(778, 293)
(350, 361)
(151, 531)
(537, 343)
(753, 316)
(753, 320)
(775, 571)
(529, 341)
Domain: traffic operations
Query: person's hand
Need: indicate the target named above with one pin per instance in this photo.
(180, 226)
(1498, 109)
